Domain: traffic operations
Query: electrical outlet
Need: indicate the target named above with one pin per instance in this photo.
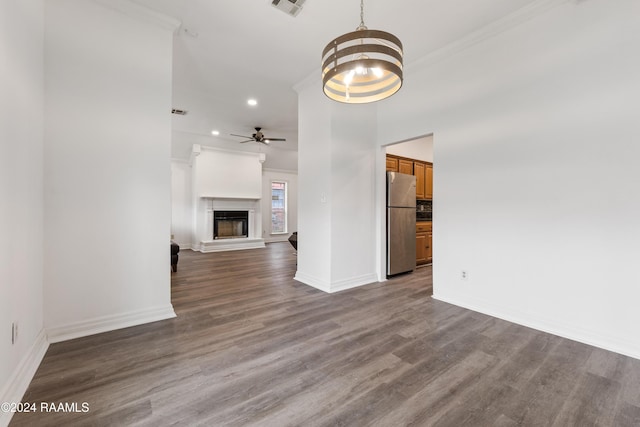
(464, 275)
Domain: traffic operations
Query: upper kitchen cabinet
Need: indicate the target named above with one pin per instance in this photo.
(399, 164)
(405, 166)
(418, 171)
(423, 172)
(428, 181)
(392, 164)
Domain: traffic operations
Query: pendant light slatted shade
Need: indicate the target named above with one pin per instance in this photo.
(362, 66)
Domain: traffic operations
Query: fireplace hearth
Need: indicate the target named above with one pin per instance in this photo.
(230, 224)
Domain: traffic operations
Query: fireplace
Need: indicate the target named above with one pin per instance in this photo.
(230, 224)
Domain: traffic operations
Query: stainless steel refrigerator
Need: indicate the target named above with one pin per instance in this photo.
(401, 223)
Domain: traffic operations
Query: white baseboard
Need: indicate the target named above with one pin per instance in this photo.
(337, 286)
(531, 320)
(314, 282)
(22, 376)
(278, 238)
(353, 282)
(109, 323)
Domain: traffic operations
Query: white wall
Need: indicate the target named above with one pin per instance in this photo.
(314, 195)
(291, 178)
(181, 206)
(106, 167)
(21, 210)
(419, 148)
(536, 140)
(227, 174)
(353, 195)
(337, 199)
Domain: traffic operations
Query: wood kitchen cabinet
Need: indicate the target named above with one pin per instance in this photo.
(421, 242)
(423, 171)
(428, 181)
(424, 239)
(392, 164)
(424, 179)
(405, 166)
(418, 171)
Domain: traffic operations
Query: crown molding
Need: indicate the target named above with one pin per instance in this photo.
(198, 148)
(287, 171)
(137, 11)
(313, 78)
(493, 29)
(178, 160)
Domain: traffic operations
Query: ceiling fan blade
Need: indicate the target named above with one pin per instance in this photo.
(241, 136)
(248, 140)
(275, 139)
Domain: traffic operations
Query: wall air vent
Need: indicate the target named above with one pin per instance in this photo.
(178, 112)
(290, 7)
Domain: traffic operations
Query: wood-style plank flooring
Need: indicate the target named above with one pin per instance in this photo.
(253, 347)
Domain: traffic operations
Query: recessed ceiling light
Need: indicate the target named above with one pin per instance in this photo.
(252, 102)
(215, 132)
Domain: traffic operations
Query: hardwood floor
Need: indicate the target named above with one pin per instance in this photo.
(251, 346)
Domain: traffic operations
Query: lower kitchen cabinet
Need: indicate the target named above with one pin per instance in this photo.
(424, 238)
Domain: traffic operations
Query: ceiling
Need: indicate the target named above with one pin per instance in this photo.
(227, 51)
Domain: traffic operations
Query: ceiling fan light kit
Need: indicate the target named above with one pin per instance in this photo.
(362, 66)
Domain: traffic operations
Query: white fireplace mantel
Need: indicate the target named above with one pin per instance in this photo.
(252, 241)
(226, 180)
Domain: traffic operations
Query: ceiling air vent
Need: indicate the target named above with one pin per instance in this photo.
(290, 7)
(178, 112)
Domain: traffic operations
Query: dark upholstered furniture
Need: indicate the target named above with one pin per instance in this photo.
(174, 256)
(293, 239)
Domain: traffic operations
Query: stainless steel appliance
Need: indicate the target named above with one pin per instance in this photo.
(424, 210)
(401, 223)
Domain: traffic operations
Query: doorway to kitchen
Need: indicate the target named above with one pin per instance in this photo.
(414, 157)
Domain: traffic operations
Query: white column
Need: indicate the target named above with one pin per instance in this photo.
(336, 178)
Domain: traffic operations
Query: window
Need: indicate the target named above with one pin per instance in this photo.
(278, 207)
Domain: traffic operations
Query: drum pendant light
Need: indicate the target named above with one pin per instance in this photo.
(362, 66)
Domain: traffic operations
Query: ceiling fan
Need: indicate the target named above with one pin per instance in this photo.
(258, 137)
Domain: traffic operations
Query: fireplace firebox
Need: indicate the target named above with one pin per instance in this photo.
(230, 224)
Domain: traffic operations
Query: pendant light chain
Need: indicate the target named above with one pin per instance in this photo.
(362, 13)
